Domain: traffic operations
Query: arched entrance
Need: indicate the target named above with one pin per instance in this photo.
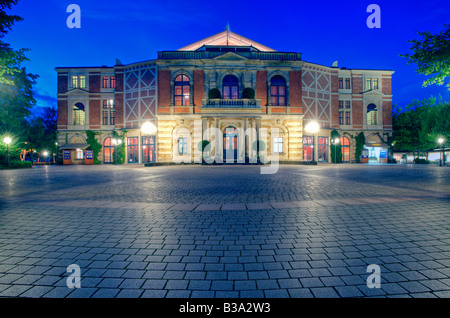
(230, 144)
(345, 147)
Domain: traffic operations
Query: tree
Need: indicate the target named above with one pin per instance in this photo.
(419, 124)
(432, 55)
(16, 95)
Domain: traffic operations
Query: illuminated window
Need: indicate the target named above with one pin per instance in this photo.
(323, 149)
(345, 148)
(278, 145)
(132, 149)
(308, 148)
(109, 112)
(112, 81)
(105, 81)
(74, 81)
(182, 91)
(230, 87)
(108, 151)
(79, 115)
(372, 114)
(278, 91)
(79, 154)
(148, 149)
(368, 83)
(82, 80)
(375, 83)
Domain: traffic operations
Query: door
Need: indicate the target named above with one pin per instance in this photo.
(230, 144)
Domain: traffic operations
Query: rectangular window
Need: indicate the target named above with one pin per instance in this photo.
(341, 104)
(105, 117)
(148, 149)
(79, 117)
(323, 149)
(74, 81)
(182, 145)
(105, 81)
(341, 83)
(105, 103)
(375, 83)
(347, 83)
(348, 118)
(80, 154)
(82, 80)
(132, 150)
(112, 117)
(368, 84)
(341, 117)
(112, 82)
(308, 147)
(278, 145)
(348, 104)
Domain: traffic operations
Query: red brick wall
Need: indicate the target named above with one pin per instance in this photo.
(94, 113)
(387, 114)
(357, 114)
(357, 84)
(386, 85)
(118, 103)
(63, 83)
(62, 114)
(163, 88)
(334, 100)
(119, 81)
(94, 82)
(199, 87)
(261, 87)
(295, 88)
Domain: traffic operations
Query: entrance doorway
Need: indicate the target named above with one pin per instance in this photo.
(230, 144)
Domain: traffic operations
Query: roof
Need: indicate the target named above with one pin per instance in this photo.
(226, 38)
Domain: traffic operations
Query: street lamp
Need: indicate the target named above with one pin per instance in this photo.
(441, 143)
(7, 141)
(148, 128)
(313, 127)
(45, 157)
(335, 142)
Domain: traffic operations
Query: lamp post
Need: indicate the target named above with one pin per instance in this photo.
(313, 127)
(7, 141)
(45, 157)
(441, 144)
(335, 142)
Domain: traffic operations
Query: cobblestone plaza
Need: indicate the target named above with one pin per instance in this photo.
(225, 231)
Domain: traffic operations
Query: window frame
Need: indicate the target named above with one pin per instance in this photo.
(184, 85)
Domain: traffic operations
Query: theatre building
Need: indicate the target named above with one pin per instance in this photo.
(230, 91)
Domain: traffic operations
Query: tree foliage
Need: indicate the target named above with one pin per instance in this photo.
(419, 125)
(16, 95)
(431, 54)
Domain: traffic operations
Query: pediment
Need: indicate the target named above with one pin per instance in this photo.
(230, 56)
(372, 93)
(227, 38)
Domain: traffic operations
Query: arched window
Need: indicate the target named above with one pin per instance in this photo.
(182, 91)
(230, 87)
(108, 151)
(79, 114)
(278, 91)
(345, 147)
(372, 114)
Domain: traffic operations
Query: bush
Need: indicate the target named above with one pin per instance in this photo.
(248, 93)
(214, 93)
(421, 161)
(17, 164)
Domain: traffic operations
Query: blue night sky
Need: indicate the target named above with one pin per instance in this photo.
(134, 31)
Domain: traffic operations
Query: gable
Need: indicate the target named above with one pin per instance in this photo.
(226, 38)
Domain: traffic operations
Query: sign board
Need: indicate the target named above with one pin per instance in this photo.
(67, 157)
(383, 154)
(89, 157)
(364, 155)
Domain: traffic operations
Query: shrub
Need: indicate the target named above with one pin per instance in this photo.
(214, 93)
(17, 164)
(248, 93)
(421, 161)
